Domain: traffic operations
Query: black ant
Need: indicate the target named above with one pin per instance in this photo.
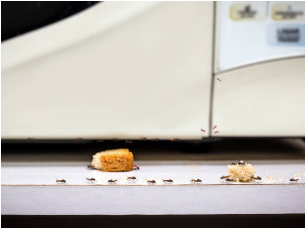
(90, 167)
(224, 177)
(112, 181)
(131, 178)
(292, 179)
(196, 181)
(227, 179)
(136, 167)
(257, 178)
(151, 181)
(90, 179)
(60, 181)
(168, 181)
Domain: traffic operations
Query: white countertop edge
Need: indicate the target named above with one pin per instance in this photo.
(152, 200)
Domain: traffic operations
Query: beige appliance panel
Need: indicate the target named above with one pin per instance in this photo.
(266, 99)
(142, 69)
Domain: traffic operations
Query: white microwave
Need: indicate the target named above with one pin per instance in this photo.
(184, 70)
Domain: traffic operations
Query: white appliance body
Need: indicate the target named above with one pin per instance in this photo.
(145, 69)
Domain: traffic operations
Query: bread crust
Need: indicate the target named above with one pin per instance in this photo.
(117, 160)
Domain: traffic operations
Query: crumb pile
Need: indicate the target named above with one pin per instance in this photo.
(117, 160)
(241, 172)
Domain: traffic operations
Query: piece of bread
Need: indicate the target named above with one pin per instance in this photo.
(241, 172)
(116, 160)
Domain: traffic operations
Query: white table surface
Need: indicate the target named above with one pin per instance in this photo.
(29, 188)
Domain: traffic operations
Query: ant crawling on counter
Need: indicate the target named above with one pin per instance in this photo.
(224, 177)
(151, 181)
(227, 179)
(90, 167)
(60, 181)
(168, 181)
(241, 163)
(131, 178)
(196, 181)
(294, 179)
(136, 167)
(112, 181)
(257, 178)
(90, 179)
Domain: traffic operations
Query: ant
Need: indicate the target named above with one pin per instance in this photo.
(131, 178)
(224, 177)
(60, 181)
(257, 178)
(196, 181)
(227, 179)
(174, 139)
(292, 179)
(136, 167)
(90, 179)
(90, 167)
(168, 181)
(112, 181)
(241, 163)
(151, 181)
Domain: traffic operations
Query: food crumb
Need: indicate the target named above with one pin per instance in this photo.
(269, 178)
(297, 175)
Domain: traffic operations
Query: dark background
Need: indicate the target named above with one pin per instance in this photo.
(21, 17)
(165, 221)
